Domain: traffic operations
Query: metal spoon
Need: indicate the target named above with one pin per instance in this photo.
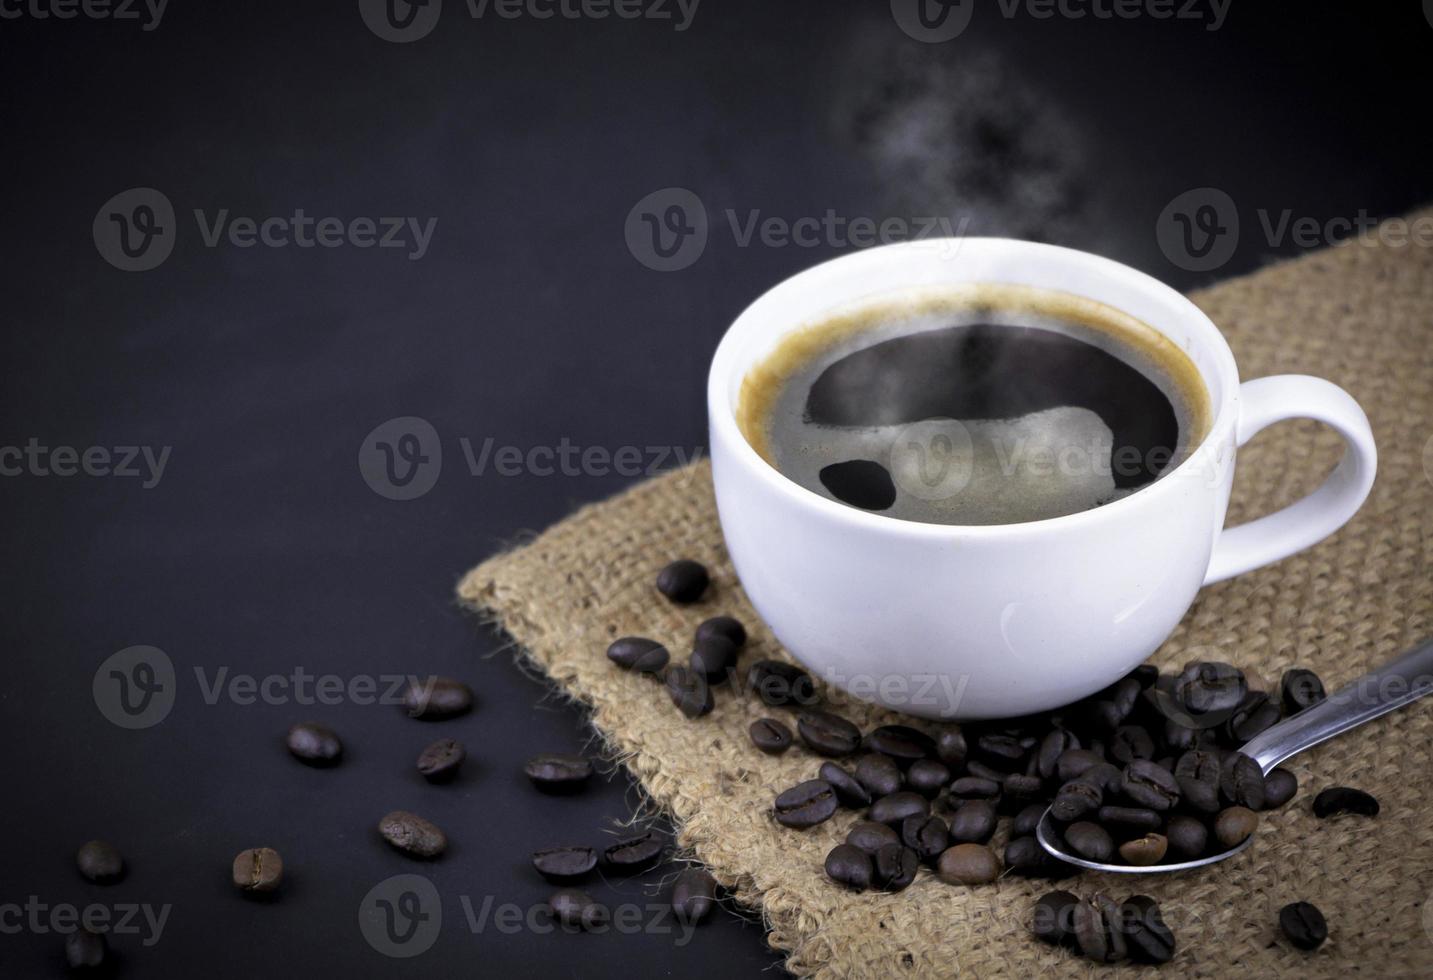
(1393, 685)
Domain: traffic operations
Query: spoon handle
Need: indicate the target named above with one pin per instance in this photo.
(1393, 685)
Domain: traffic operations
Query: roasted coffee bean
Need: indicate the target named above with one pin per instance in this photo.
(576, 909)
(928, 777)
(689, 691)
(437, 698)
(558, 773)
(1125, 694)
(1300, 689)
(1025, 857)
(778, 683)
(980, 770)
(683, 581)
(1280, 785)
(1147, 937)
(1146, 850)
(259, 869)
(412, 835)
(1198, 774)
(1052, 746)
(693, 895)
(1304, 925)
(973, 788)
(1097, 930)
(901, 742)
(849, 793)
(564, 863)
(1129, 819)
(1150, 785)
(879, 774)
(805, 804)
(968, 864)
(870, 836)
(1131, 742)
(726, 626)
(1144, 675)
(828, 734)
(441, 759)
(850, 866)
(896, 807)
(1256, 714)
(1053, 920)
(1027, 821)
(770, 736)
(1109, 778)
(951, 748)
(638, 653)
(928, 836)
(1004, 752)
(1179, 738)
(1187, 837)
(1075, 799)
(86, 949)
(1233, 826)
(1241, 781)
(634, 854)
(1344, 799)
(1102, 716)
(714, 657)
(315, 744)
(1018, 789)
(973, 823)
(100, 862)
(1074, 763)
(1210, 686)
(1090, 841)
(894, 868)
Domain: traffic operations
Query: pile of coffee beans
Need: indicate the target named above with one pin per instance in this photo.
(1103, 930)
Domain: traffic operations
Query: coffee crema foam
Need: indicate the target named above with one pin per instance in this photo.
(974, 404)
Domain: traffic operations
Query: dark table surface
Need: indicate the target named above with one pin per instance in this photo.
(533, 320)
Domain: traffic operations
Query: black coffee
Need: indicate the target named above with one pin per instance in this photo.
(983, 404)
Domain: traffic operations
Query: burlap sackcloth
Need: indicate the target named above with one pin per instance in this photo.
(1360, 315)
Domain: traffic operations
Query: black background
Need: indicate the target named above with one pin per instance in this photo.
(529, 321)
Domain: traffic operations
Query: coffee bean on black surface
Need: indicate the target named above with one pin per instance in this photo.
(1233, 826)
(1344, 799)
(779, 683)
(1053, 920)
(441, 759)
(576, 909)
(315, 744)
(1097, 930)
(634, 854)
(1256, 714)
(893, 809)
(1304, 925)
(1090, 841)
(849, 793)
(1027, 821)
(894, 867)
(1125, 820)
(1073, 763)
(693, 895)
(638, 653)
(928, 777)
(1052, 746)
(870, 836)
(968, 864)
(828, 734)
(726, 626)
(85, 949)
(879, 774)
(973, 788)
(556, 772)
(951, 747)
(1076, 798)
(1210, 686)
(1146, 850)
(1187, 837)
(1280, 785)
(437, 698)
(100, 862)
(928, 836)
(770, 736)
(564, 863)
(1147, 937)
(683, 581)
(973, 823)
(259, 869)
(848, 865)
(1198, 774)
(713, 657)
(900, 742)
(412, 835)
(689, 691)
(1131, 742)
(805, 804)
(1150, 785)
(1300, 689)
(1241, 781)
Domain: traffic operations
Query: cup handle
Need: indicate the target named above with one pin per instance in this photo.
(1263, 402)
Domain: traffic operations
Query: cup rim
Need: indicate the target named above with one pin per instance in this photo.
(722, 416)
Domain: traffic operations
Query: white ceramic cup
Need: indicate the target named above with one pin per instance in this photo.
(991, 621)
